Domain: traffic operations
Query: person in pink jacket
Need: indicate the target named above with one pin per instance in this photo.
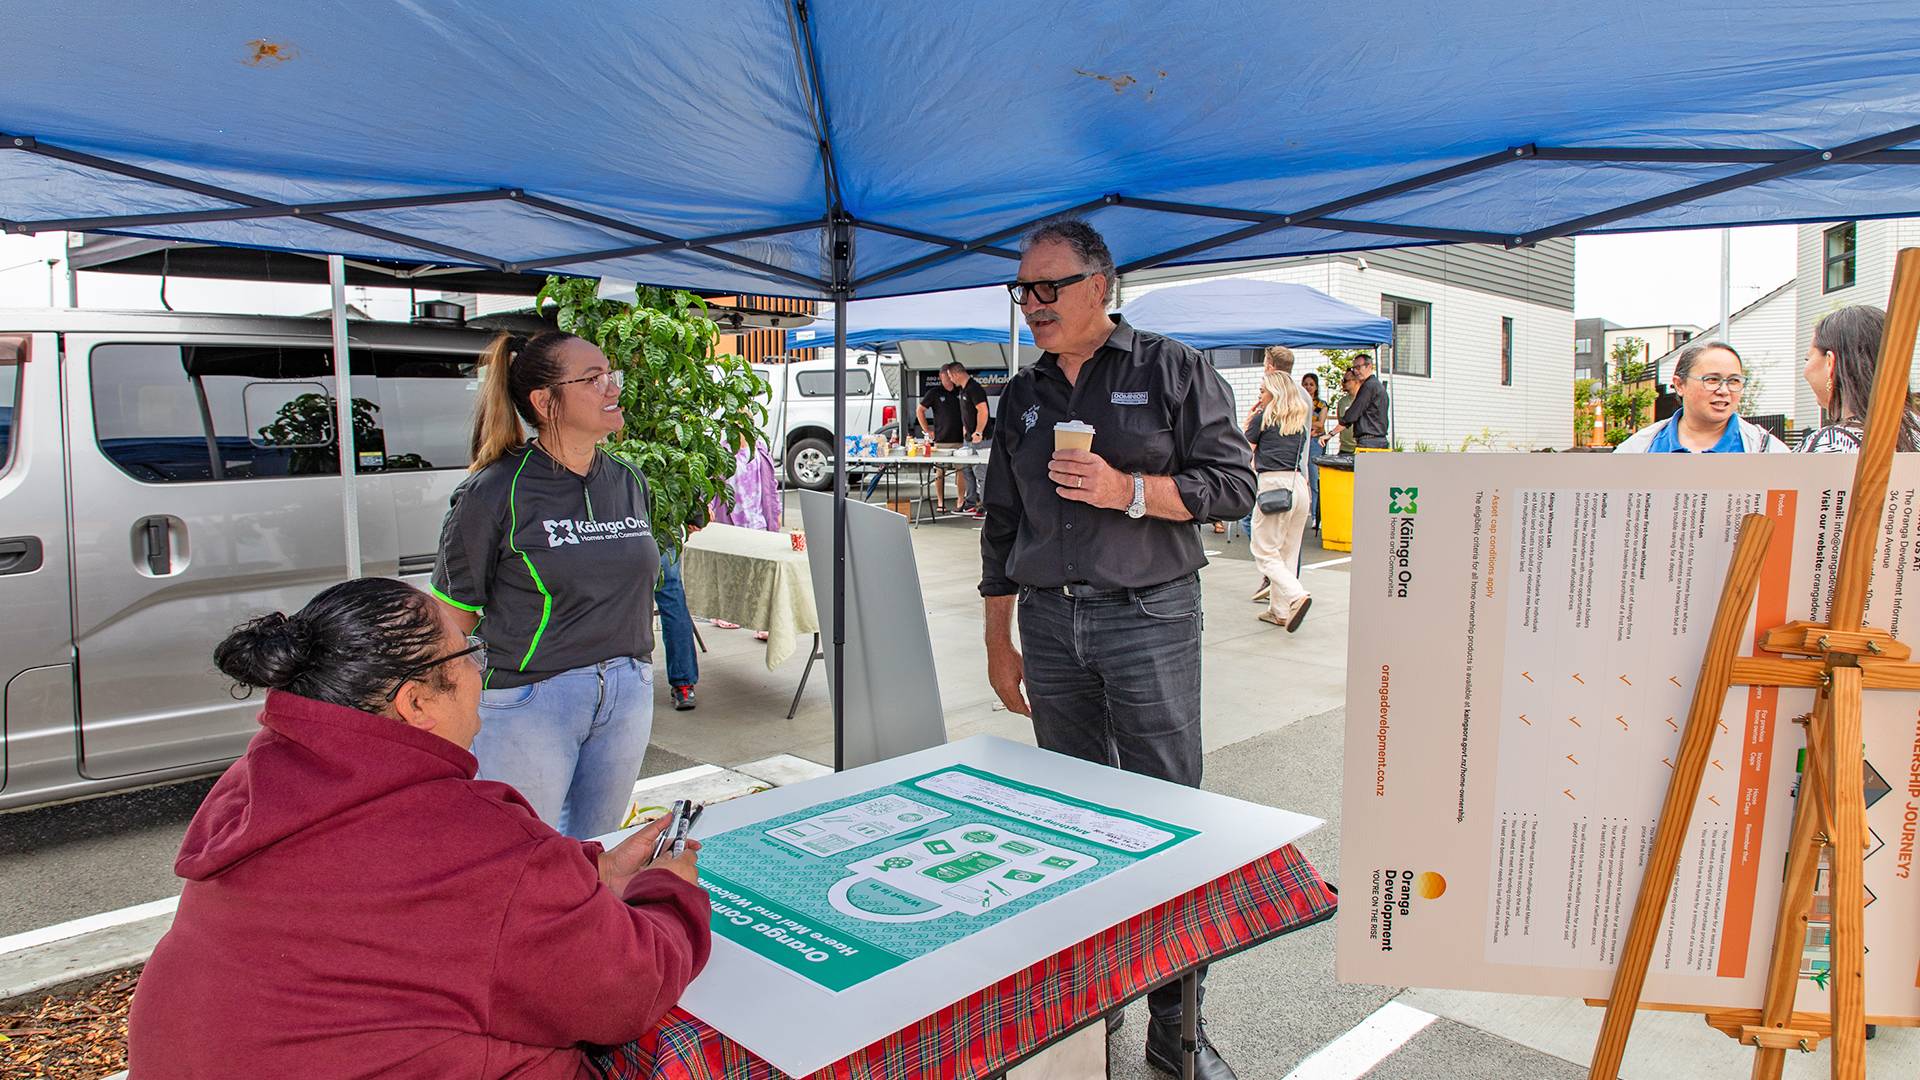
(358, 905)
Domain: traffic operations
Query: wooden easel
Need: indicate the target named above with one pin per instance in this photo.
(1840, 659)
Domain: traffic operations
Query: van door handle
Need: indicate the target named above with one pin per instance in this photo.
(20, 555)
(156, 541)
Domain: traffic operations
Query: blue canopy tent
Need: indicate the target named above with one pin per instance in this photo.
(756, 147)
(1231, 313)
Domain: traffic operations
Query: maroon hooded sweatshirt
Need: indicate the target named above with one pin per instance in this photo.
(358, 905)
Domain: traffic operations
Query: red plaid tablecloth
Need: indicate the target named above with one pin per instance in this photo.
(992, 1030)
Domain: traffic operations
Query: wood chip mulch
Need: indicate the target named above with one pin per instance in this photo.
(79, 1035)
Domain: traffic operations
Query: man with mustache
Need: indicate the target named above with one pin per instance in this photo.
(1098, 550)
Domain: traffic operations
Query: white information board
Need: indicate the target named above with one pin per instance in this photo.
(851, 906)
(1525, 638)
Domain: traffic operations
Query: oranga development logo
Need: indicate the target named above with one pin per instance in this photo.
(1393, 895)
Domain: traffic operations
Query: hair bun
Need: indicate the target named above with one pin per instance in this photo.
(268, 652)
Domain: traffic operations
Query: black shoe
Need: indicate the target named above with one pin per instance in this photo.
(682, 698)
(1163, 1052)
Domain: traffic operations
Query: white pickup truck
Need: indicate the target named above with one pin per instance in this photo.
(799, 427)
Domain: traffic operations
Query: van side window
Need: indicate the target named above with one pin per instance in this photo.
(426, 408)
(177, 413)
(9, 400)
(820, 383)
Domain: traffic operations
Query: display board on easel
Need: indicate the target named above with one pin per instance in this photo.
(1526, 656)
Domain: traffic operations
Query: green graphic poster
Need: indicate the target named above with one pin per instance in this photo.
(842, 891)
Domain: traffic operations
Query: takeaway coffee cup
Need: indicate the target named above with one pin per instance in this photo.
(1073, 435)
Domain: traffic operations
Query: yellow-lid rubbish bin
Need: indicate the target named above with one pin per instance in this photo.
(1336, 502)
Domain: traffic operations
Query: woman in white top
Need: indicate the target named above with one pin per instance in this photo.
(1840, 366)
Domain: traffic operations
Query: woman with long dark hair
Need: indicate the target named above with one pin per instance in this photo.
(549, 550)
(1840, 366)
(358, 904)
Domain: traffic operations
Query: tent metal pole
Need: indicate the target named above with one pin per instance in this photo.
(842, 247)
(1726, 286)
(343, 414)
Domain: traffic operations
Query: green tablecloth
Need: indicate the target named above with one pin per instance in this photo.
(753, 578)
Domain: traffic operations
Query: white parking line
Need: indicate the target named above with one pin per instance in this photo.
(1372, 1041)
(87, 925)
(1330, 562)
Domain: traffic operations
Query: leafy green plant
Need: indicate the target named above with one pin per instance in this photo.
(687, 409)
(1626, 404)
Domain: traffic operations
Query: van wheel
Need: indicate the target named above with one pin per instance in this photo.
(810, 465)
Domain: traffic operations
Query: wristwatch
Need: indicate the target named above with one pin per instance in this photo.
(1138, 507)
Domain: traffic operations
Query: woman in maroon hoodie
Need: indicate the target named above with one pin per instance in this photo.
(358, 905)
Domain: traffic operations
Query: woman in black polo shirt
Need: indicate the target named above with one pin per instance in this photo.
(549, 549)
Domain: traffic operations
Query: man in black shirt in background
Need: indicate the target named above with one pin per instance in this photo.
(1098, 550)
(939, 415)
(969, 479)
(1366, 414)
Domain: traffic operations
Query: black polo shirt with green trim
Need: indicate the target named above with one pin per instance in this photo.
(559, 566)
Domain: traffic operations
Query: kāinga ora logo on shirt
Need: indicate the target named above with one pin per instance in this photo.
(574, 531)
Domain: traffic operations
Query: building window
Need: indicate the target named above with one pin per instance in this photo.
(1582, 345)
(1680, 337)
(1839, 253)
(1412, 322)
(1506, 351)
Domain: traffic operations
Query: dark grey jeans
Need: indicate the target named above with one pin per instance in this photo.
(1114, 677)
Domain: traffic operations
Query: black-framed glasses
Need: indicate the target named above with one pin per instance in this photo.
(476, 651)
(1045, 292)
(617, 377)
(1733, 384)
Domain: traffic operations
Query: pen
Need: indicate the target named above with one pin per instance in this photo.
(673, 825)
(686, 826)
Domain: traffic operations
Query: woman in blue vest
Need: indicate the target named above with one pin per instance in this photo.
(1709, 378)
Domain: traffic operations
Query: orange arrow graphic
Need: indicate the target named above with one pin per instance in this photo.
(1626, 680)
(1623, 723)
(1578, 679)
(1672, 725)
(1524, 720)
(1574, 720)
(1668, 762)
(1719, 766)
(1723, 725)
(1573, 759)
(1713, 800)
(1568, 792)
(1526, 676)
(1673, 680)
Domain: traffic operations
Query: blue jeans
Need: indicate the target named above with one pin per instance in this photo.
(676, 625)
(572, 743)
(1114, 678)
(1314, 454)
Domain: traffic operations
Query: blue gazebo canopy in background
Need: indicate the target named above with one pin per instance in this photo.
(969, 316)
(1243, 312)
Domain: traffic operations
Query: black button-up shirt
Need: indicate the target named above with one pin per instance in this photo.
(1367, 414)
(1157, 408)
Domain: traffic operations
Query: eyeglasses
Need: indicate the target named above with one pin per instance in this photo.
(616, 377)
(476, 651)
(1044, 291)
(1733, 384)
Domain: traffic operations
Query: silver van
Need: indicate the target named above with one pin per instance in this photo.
(164, 477)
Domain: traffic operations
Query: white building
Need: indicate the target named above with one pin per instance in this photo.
(1764, 334)
(1480, 347)
(1840, 264)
